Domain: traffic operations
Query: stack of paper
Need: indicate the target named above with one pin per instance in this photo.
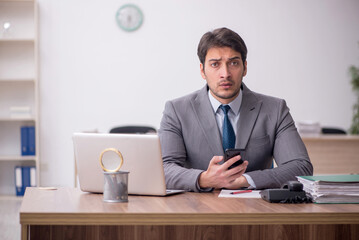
(225, 193)
(309, 128)
(20, 112)
(332, 188)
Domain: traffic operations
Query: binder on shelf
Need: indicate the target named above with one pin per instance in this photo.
(18, 181)
(31, 140)
(28, 147)
(24, 141)
(24, 177)
(32, 177)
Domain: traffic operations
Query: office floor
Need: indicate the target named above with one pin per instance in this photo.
(9, 218)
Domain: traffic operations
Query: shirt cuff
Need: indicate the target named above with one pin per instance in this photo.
(252, 185)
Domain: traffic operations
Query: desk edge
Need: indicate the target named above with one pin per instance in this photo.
(187, 218)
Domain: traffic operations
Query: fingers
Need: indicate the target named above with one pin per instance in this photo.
(234, 175)
(219, 176)
(238, 183)
(212, 177)
(241, 167)
(229, 163)
(216, 160)
(238, 171)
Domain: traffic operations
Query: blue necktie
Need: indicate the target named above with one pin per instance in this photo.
(228, 138)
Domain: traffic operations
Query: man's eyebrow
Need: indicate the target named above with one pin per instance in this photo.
(219, 59)
(234, 58)
(214, 59)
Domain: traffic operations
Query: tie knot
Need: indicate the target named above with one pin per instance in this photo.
(225, 108)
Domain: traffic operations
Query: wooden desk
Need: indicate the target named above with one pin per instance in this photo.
(68, 213)
(333, 154)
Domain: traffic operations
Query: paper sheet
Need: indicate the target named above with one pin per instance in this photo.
(227, 193)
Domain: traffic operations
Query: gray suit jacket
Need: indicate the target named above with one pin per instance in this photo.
(190, 137)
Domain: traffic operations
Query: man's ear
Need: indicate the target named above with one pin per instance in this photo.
(245, 68)
(202, 71)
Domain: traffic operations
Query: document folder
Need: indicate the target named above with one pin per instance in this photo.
(332, 188)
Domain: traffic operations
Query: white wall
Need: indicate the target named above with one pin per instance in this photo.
(95, 76)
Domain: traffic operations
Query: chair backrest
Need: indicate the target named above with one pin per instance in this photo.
(133, 129)
(326, 130)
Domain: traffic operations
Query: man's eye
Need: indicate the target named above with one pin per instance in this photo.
(215, 64)
(234, 63)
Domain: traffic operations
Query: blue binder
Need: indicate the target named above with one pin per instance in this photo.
(26, 178)
(31, 141)
(28, 147)
(18, 181)
(33, 177)
(24, 141)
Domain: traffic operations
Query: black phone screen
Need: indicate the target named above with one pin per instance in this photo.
(229, 153)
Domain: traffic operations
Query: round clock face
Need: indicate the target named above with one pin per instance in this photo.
(129, 17)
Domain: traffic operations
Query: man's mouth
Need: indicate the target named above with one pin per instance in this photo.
(225, 85)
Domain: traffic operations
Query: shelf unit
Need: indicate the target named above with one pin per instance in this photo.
(18, 87)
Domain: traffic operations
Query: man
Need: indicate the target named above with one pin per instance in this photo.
(196, 129)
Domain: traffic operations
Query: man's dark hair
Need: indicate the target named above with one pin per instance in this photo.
(221, 37)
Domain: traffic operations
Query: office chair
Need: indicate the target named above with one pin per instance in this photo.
(326, 130)
(133, 129)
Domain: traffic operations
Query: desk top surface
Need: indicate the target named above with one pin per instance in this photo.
(330, 137)
(70, 205)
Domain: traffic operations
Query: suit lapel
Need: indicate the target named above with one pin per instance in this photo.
(249, 112)
(207, 120)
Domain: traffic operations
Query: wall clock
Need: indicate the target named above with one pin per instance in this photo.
(129, 17)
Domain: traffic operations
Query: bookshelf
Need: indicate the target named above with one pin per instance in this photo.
(19, 101)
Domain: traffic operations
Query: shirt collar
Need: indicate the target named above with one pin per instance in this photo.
(235, 104)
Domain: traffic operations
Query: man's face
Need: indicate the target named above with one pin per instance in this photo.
(223, 70)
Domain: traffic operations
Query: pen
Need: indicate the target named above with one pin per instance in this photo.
(242, 191)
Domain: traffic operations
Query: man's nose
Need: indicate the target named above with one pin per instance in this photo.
(225, 72)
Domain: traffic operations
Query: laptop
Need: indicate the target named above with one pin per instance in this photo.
(141, 157)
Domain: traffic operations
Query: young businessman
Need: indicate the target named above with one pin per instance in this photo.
(196, 129)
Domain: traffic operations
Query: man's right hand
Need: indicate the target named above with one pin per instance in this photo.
(219, 176)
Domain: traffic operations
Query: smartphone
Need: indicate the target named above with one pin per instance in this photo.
(232, 152)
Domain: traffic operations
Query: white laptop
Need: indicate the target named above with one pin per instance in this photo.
(141, 157)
